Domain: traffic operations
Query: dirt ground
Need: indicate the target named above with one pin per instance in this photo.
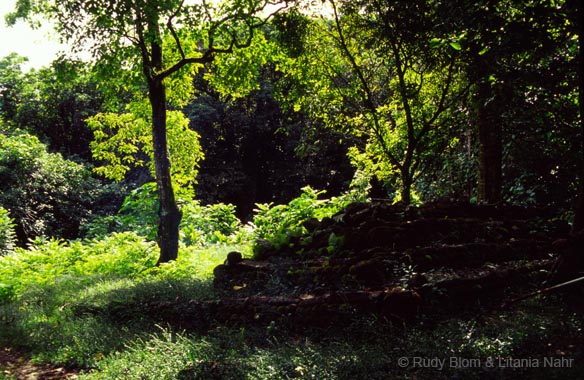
(15, 366)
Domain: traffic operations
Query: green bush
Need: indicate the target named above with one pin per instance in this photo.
(200, 225)
(46, 194)
(7, 235)
(277, 224)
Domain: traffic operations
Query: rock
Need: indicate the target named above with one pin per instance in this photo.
(263, 249)
(369, 273)
(311, 224)
(380, 236)
(449, 255)
(417, 280)
(233, 258)
(400, 302)
(220, 273)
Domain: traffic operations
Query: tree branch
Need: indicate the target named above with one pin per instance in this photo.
(141, 41)
(365, 86)
(541, 291)
(211, 51)
(170, 27)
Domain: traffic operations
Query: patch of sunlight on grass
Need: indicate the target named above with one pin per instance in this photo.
(199, 262)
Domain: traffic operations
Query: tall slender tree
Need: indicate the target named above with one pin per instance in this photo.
(577, 11)
(503, 42)
(376, 70)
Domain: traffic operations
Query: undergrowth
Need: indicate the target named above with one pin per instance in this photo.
(54, 296)
(277, 224)
(7, 233)
(58, 299)
(369, 349)
(61, 314)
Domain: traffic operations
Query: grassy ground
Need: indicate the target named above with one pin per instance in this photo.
(57, 302)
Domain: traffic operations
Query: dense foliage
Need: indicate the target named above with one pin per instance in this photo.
(277, 224)
(270, 126)
(45, 194)
(201, 225)
(7, 234)
(124, 141)
(256, 151)
(51, 103)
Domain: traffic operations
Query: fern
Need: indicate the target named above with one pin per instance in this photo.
(279, 223)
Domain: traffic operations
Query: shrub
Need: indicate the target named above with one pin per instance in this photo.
(200, 225)
(46, 194)
(277, 224)
(7, 235)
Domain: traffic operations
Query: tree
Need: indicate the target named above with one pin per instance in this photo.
(503, 45)
(11, 78)
(577, 12)
(123, 141)
(377, 71)
(45, 194)
(257, 152)
(53, 104)
(161, 39)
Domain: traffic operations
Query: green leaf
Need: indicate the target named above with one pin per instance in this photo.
(435, 42)
(455, 45)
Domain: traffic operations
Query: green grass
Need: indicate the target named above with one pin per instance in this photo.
(57, 297)
(369, 349)
(80, 304)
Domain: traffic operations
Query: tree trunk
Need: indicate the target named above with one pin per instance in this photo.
(169, 215)
(490, 144)
(406, 189)
(578, 224)
(579, 211)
